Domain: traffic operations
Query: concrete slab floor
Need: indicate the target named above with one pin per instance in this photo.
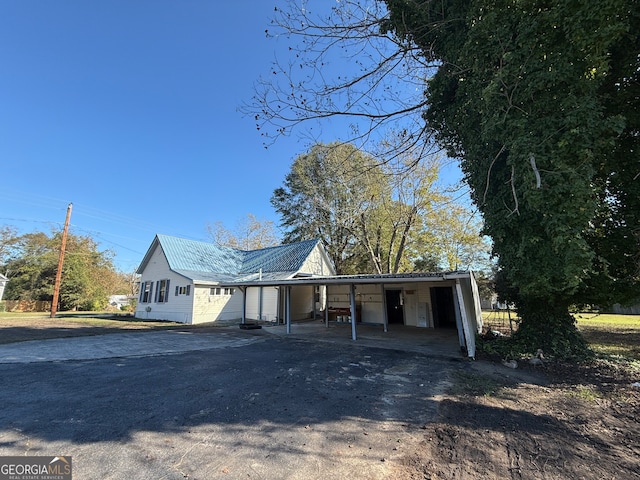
(439, 342)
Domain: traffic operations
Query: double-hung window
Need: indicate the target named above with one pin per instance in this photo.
(146, 288)
(162, 291)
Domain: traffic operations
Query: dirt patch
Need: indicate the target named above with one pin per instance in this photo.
(565, 422)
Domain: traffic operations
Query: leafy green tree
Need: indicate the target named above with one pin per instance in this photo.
(88, 275)
(324, 196)
(8, 239)
(453, 234)
(32, 268)
(373, 216)
(391, 229)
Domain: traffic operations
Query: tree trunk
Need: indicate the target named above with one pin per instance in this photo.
(547, 324)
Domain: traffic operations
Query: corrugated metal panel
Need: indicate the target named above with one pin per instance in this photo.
(213, 263)
(194, 256)
(264, 276)
(284, 258)
(208, 277)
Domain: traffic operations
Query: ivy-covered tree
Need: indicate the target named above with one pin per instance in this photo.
(538, 100)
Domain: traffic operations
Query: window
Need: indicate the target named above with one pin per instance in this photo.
(183, 290)
(145, 292)
(162, 291)
(217, 291)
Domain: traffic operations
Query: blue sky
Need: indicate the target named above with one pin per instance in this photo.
(129, 110)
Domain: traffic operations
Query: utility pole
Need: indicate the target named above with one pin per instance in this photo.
(56, 286)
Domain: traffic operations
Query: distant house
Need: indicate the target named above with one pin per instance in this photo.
(120, 301)
(3, 283)
(195, 282)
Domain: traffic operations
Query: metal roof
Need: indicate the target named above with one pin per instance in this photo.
(207, 277)
(209, 263)
(284, 258)
(191, 255)
(213, 263)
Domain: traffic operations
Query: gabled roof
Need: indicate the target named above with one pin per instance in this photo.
(213, 263)
(191, 255)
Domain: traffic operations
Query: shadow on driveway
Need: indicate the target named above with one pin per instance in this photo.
(271, 407)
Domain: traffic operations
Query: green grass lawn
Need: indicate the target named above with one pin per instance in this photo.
(86, 319)
(613, 336)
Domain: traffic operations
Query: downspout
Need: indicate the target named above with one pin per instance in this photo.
(287, 307)
(326, 306)
(244, 304)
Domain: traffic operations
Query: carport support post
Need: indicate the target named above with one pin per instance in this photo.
(287, 307)
(352, 294)
(385, 315)
(470, 341)
(326, 307)
(244, 304)
(457, 309)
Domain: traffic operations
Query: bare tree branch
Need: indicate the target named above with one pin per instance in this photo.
(343, 64)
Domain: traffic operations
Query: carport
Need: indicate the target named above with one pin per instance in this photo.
(428, 300)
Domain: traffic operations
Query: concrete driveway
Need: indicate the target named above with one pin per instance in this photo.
(228, 404)
(119, 345)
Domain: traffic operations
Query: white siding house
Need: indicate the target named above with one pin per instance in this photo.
(193, 282)
(197, 282)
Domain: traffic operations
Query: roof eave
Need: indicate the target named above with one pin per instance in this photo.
(359, 279)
